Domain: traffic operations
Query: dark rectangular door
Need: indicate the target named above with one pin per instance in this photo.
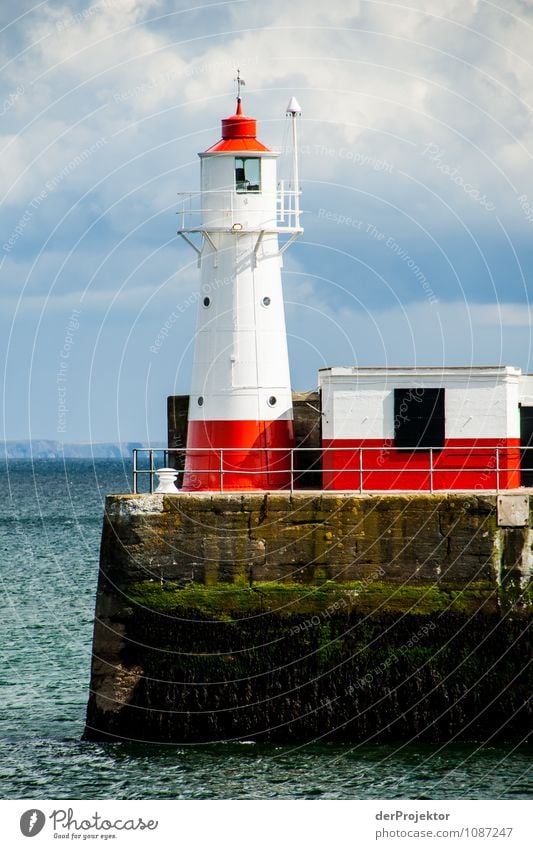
(526, 440)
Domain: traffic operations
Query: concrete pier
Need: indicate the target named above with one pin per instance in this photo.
(278, 617)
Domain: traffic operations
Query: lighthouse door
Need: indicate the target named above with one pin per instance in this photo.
(526, 443)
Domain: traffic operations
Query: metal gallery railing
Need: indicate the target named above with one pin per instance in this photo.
(202, 210)
(354, 469)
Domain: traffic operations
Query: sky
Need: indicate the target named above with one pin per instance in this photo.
(416, 147)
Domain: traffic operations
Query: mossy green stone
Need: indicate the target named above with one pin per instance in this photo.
(291, 617)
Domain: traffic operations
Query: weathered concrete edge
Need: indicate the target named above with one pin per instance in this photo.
(124, 504)
(509, 551)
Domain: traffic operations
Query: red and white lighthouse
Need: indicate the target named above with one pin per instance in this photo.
(240, 426)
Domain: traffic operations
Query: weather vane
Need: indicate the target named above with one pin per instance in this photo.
(240, 82)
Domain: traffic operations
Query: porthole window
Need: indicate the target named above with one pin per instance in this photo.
(201, 401)
(206, 302)
(272, 401)
(266, 301)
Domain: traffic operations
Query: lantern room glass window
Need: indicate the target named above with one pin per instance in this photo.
(247, 174)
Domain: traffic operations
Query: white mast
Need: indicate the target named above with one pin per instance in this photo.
(294, 110)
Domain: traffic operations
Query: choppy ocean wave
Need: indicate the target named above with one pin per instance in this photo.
(50, 525)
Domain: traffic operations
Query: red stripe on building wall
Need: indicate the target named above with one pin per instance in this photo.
(462, 464)
(260, 458)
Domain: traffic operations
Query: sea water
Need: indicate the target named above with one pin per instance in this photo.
(50, 526)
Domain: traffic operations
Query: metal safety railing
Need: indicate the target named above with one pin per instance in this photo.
(348, 469)
(218, 206)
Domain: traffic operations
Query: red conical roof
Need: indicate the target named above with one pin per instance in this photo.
(238, 133)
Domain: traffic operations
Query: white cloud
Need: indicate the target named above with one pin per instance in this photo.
(378, 82)
(456, 333)
(379, 78)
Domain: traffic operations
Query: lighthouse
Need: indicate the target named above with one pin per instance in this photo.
(240, 422)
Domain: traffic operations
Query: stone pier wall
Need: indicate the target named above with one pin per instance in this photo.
(284, 618)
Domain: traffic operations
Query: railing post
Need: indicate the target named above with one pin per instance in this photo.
(151, 470)
(221, 470)
(361, 470)
(497, 468)
(135, 484)
(292, 469)
(431, 471)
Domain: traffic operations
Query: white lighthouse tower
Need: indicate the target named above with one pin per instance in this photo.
(240, 412)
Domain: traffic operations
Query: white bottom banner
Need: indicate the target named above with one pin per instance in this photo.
(261, 825)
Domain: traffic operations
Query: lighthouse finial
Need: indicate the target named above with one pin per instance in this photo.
(240, 82)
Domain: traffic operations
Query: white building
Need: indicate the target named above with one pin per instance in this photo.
(421, 428)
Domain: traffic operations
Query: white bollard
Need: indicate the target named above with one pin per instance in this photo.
(166, 480)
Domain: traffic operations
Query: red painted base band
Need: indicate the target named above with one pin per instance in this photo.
(461, 464)
(255, 455)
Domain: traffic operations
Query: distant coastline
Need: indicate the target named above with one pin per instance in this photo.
(50, 449)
